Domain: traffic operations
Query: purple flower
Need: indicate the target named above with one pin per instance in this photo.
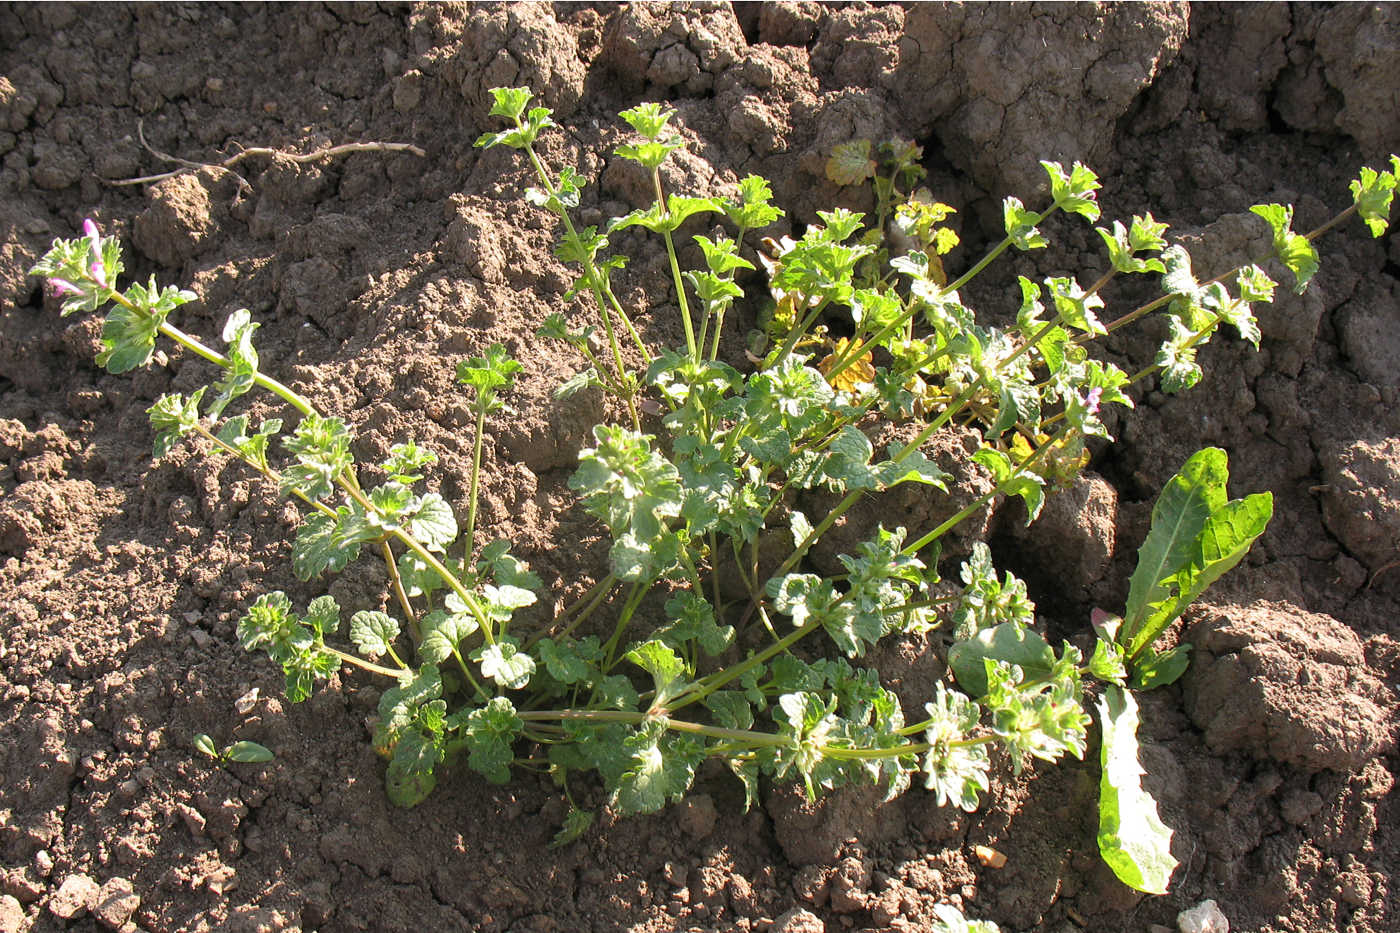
(1091, 401)
(94, 237)
(60, 287)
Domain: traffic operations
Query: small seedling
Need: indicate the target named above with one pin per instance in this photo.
(240, 752)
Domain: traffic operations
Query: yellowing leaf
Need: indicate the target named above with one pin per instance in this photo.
(850, 163)
(858, 373)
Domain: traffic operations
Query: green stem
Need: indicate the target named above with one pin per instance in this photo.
(955, 520)
(481, 692)
(718, 679)
(624, 618)
(691, 346)
(796, 334)
(362, 663)
(592, 598)
(744, 737)
(396, 582)
(481, 404)
(595, 284)
(192, 344)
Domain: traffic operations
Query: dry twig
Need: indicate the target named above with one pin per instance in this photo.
(325, 152)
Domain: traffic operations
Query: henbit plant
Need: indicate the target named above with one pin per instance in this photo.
(643, 707)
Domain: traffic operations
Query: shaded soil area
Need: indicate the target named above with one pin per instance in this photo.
(371, 274)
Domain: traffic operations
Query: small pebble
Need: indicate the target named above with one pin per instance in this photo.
(1205, 917)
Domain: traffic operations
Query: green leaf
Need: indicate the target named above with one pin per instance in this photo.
(668, 218)
(405, 460)
(526, 131)
(491, 731)
(202, 743)
(850, 163)
(1292, 249)
(1020, 404)
(443, 632)
(649, 154)
(1075, 306)
(648, 118)
(321, 447)
(1021, 225)
(430, 521)
(324, 543)
(721, 255)
(505, 664)
(986, 601)
(1028, 486)
(1255, 285)
(914, 468)
(249, 753)
(576, 823)
(569, 662)
(1196, 536)
(407, 788)
(1074, 193)
(373, 632)
(1122, 244)
(243, 359)
(322, 616)
(1133, 840)
(660, 767)
(510, 101)
(751, 210)
(1237, 313)
(1009, 642)
(668, 672)
(954, 771)
(615, 692)
(1154, 670)
(1372, 193)
(172, 417)
(488, 375)
(731, 709)
(128, 340)
(1178, 517)
(1177, 357)
(254, 448)
(847, 465)
(1107, 662)
(693, 620)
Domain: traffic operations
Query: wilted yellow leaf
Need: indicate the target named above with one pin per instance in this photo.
(850, 163)
(860, 372)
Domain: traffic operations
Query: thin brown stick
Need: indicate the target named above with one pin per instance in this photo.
(325, 152)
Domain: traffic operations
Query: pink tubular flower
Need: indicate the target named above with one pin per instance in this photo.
(94, 237)
(1091, 400)
(60, 287)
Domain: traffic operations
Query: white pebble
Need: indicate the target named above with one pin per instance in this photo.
(1205, 917)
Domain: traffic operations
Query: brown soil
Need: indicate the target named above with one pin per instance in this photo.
(120, 580)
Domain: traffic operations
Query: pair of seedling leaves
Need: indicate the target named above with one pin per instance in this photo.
(1197, 534)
